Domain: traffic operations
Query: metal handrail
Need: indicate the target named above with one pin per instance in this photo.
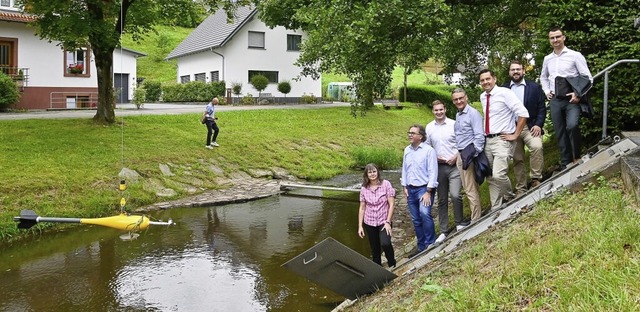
(605, 103)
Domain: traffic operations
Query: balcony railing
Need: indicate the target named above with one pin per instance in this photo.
(19, 74)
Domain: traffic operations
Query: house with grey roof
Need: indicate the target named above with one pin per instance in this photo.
(233, 52)
(51, 77)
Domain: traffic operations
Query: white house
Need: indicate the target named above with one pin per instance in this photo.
(51, 77)
(234, 52)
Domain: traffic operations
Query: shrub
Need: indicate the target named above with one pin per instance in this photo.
(153, 90)
(427, 94)
(284, 87)
(139, 96)
(248, 100)
(259, 82)
(236, 88)
(9, 93)
(194, 91)
(308, 99)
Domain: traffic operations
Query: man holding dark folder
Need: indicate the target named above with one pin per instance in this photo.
(565, 79)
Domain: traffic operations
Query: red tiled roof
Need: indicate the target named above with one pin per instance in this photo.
(16, 17)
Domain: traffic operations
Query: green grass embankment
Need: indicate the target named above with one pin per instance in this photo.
(574, 252)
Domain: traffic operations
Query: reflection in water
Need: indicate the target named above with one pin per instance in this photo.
(224, 258)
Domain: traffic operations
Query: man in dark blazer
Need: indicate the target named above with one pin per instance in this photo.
(533, 98)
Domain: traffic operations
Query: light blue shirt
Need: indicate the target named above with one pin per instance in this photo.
(420, 166)
(518, 89)
(568, 63)
(210, 111)
(469, 129)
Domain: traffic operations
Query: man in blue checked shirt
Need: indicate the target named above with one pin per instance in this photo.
(419, 181)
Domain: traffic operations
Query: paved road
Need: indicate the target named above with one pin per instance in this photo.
(155, 109)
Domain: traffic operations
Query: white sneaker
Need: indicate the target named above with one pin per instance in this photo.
(215, 144)
(460, 228)
(441, 238)
(209, 147)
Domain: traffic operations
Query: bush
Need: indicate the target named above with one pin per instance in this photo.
(153, 90)
(427, 94)
(139, 96)
(308, 99)
(194, 91)
(259, 82)
(236, 88)
(9, 93)
(248, 100)
(284, 87)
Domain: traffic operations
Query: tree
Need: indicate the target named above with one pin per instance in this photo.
(362, 39)
(284, 87)
(491, 32)
(236, 88)
(259, 82)
(603, 32)
(99, 24)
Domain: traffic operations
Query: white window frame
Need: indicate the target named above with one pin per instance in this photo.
(72, 60)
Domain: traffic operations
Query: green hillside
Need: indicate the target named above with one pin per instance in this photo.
(157, 45)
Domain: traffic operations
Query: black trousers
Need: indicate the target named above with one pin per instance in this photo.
(212, 127)
(380, 241)
(565, 117)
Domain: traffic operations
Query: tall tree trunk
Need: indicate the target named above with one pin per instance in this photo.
(105, 113)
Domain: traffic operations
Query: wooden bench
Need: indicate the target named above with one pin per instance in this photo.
(387, 104)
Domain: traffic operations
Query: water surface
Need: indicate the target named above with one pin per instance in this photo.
(223, 258)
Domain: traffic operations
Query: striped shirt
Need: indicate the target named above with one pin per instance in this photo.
(376, 202)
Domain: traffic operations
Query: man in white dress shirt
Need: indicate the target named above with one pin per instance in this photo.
(565, 108)
(442, 137)
(500, 105)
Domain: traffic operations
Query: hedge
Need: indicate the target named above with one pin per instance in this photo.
(427, 94)
(194, 91)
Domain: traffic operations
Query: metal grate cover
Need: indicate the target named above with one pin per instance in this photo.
(339, 268)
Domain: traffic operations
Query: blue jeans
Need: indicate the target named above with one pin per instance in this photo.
(421, 217)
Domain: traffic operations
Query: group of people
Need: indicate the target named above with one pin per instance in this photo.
(448, 155)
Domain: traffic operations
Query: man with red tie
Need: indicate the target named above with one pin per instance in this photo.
(500, 105)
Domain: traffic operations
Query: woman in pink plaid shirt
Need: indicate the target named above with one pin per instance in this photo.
(377, 199)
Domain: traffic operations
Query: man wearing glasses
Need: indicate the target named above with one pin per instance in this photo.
(565, 109)
(419, 182)
(531, 95)
(469, 133)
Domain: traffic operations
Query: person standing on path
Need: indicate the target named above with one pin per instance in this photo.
(419, 181)
(468, 130)
(500, 105)
(442, 137)
(533, 98)
(377, 202)
(565, 108)
(212, 125)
